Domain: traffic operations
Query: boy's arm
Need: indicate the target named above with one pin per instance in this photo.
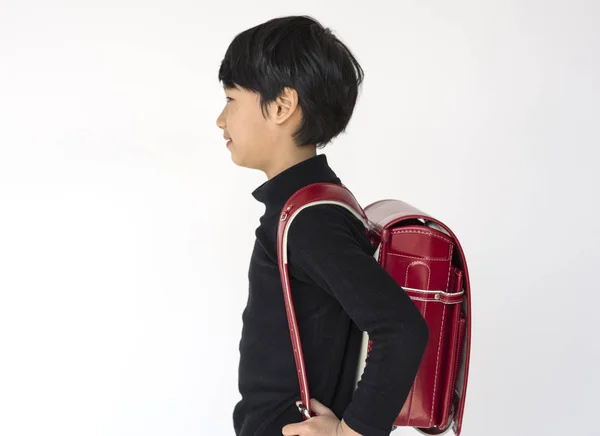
(346, 430)
(322, 244)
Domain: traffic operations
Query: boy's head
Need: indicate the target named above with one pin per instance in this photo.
(291, 87)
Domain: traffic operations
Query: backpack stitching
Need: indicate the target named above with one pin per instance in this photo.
(420, 258)
(450, 248)
(437, 365)
(420, 263)
(422, 232)
(412, 395)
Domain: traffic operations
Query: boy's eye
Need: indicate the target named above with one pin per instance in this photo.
(228, 98)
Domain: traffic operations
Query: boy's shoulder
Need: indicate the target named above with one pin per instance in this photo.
(325, 223)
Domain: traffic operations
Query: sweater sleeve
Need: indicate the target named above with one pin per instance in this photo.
(324, 242)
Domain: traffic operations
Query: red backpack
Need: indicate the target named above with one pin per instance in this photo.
(425, 258)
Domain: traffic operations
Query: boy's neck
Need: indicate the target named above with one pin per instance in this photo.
(300, 154)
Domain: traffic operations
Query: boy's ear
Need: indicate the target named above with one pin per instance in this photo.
(285, 105)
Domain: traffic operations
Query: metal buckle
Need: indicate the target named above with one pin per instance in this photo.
(303, 410)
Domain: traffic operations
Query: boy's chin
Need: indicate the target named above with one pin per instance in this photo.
(241, 163)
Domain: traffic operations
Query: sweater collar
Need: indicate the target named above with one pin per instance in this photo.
(276, 191)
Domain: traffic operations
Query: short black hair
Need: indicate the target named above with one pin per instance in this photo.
(297, 52)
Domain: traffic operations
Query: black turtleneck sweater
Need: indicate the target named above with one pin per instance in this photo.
(339, 290)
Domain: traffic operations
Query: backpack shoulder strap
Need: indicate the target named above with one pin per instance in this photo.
(311, 195)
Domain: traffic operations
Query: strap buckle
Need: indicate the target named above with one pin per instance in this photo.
(303, 410)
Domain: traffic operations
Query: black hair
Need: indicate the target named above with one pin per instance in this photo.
(297, 52)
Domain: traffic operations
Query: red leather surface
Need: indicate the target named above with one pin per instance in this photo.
(388, 216)
(419, 258)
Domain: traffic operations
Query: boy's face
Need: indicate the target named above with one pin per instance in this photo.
(253, 137)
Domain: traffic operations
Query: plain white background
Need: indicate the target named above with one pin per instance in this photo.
(126, 230)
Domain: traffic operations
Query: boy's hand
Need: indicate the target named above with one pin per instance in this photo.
(324, 424)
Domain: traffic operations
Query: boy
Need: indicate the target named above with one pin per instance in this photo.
(291, 87)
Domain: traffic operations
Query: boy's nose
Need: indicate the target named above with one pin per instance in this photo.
(220, 120)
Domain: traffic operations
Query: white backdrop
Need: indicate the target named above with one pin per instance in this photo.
(126, 230)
